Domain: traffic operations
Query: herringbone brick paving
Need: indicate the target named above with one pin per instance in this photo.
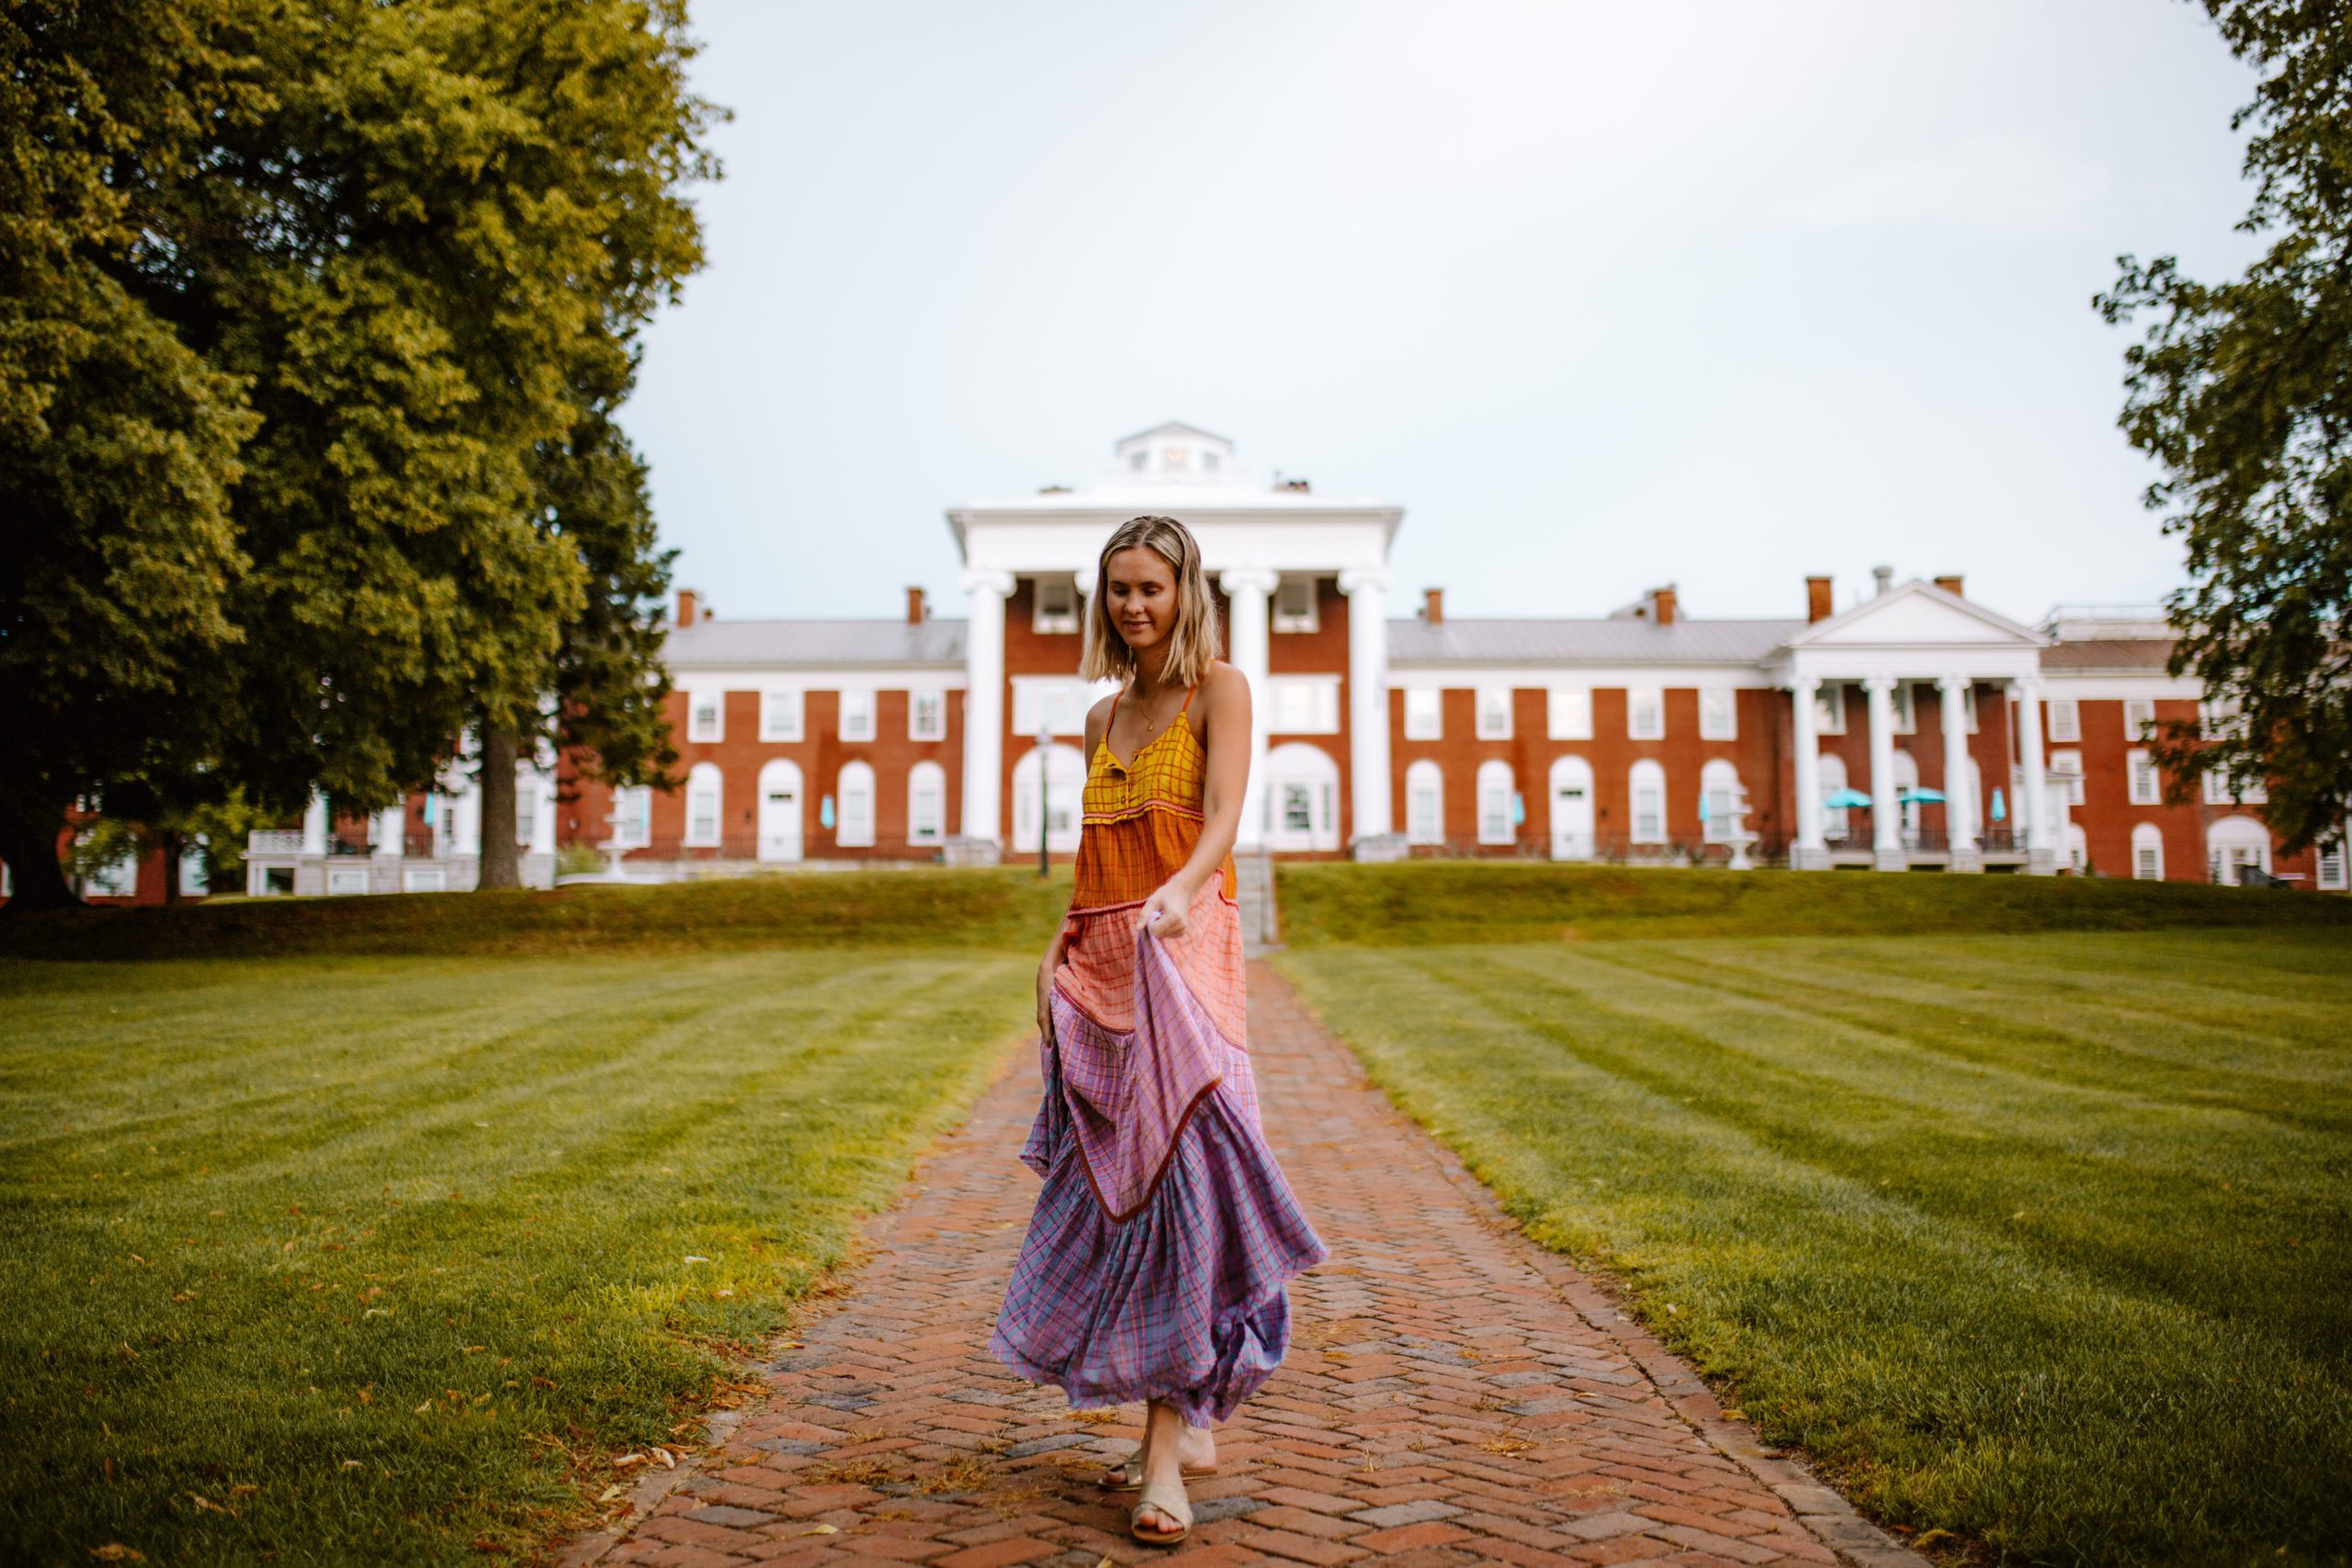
(1453, 1393)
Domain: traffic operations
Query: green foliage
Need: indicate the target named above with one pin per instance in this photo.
(312, 322)
(2038, 1239)
(373, 1286)
(1456, 901)
(2242, 392)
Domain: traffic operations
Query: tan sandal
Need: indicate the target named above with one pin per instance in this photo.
(1169, 1500)
(1131, 1474)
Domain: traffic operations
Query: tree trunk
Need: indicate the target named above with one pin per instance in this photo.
(36, 879)
(501, 865)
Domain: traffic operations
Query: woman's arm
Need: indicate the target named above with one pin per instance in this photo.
(1056, 950)
(1225, 720)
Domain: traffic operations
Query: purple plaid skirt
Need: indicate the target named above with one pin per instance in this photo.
(1154, 1264)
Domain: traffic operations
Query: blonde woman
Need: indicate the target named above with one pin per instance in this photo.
(1155, 1265)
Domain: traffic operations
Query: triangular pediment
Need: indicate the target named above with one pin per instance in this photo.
(1916, 613)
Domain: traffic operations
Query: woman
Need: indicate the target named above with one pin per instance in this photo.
(1154, 1266)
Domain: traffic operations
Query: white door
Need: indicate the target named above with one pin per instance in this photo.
(780, 811)
(1571, 809)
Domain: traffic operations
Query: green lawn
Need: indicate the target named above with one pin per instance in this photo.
(360, 1250)
(2042, 1239)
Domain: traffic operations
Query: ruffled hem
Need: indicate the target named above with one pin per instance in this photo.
(1182, 1301)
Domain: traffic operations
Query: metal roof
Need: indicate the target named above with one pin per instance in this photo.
(2108, 653)
(1587, 642)
(834, 643)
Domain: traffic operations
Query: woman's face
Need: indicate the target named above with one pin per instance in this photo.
(1139, 588)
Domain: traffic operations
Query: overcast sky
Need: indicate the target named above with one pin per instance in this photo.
(1604, 295)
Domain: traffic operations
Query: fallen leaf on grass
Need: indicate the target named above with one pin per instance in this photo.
(243, 1491)
(115, 1551)
(667, 1462)
(626, 1460)
(209, 1507)
(351, 1464)
(610, 1493)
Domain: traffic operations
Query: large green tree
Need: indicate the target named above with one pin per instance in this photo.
(2242, 390)
(404, 250)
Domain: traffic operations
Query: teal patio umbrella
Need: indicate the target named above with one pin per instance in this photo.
(1917, 792)
(2001, 807)
(1837, 798)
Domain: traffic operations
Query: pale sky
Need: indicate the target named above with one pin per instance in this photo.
(1604, 295)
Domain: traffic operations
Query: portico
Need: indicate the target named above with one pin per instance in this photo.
(1893, 650)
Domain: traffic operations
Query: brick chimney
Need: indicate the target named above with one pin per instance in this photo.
(689, 604)
(1433, 606)
(1662, 605)
(1817, 599)
(916, 612)
(1951, 585)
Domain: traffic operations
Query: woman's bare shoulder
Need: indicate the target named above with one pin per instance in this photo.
(1098, 719)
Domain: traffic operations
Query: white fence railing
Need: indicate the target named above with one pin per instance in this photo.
(273, 842)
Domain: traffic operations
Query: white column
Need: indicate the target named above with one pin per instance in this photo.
(2033, 811)
(984, 706)
(1886, 812)
(392, 831)
(1960, 806)
(1808, 854)
(314, 825)
(1368, 708)
(1246, 636)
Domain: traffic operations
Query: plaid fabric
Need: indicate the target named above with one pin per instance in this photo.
(1182, 1299)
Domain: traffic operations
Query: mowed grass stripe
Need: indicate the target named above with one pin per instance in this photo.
(340, 1230)
(2082, 1044)
(2138, 1369)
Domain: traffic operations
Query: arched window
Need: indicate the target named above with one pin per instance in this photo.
(705, 796)
(1907, 781)
(2233, 843)
(1302, 798)
(1719, 787)
(2148, 852)
(1646, 789)
(1495, 791)
(2078, 847)
(856, 830)
(1832, 783)
(1424, 803)
(926, 803)
(1065, 783)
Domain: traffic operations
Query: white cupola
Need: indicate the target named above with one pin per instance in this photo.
(1175, 454)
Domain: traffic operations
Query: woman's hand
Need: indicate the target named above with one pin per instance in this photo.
(1166, 912)
(1045, 994)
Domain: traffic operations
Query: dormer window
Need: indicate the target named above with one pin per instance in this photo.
(1175, 459)
(1294, 607)
(1137, 460)
(1057, 606)
(1209, 462)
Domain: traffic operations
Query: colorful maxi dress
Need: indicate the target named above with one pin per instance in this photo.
(1155, 1263)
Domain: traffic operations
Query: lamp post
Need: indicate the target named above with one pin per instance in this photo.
(1045, 798)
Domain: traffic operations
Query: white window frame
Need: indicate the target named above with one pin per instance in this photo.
(1567, 713)
(1967, 705)
(2065, 719)
(856, 722)
(1424, 713)
(855, 830)
(2330, 870)
(1718, 713)
(781, 714)
(526, 811)
(1301, 705)
(2144, 784)
(1425, 783)
(1296, 605)
(2069, 765)
(2147, 852)
(1645, 777)
(1641, 699)
(2218, 791)
(926, 826)
(633, 813)
(936, 699)
(1836, 825)
(1063, 702)
(1493, 720)
(698, 732)
(1498, 790)
(1906, 711)
(2139, 718)
(705, 783)
(1061, 619)
(1718, 787)
(1829, 708)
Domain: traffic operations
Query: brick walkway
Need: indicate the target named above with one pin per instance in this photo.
(1454, 1395)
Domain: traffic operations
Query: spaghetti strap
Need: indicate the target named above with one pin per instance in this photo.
(1188, 700)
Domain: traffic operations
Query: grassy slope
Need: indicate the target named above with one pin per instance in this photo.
(1465, 901)
(257, 1213)
(2040, 1240)
(994, 908)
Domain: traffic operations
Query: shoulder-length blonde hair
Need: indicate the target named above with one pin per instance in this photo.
(1193, 642)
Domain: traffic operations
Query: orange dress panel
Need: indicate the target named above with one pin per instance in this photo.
(1140, 822)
